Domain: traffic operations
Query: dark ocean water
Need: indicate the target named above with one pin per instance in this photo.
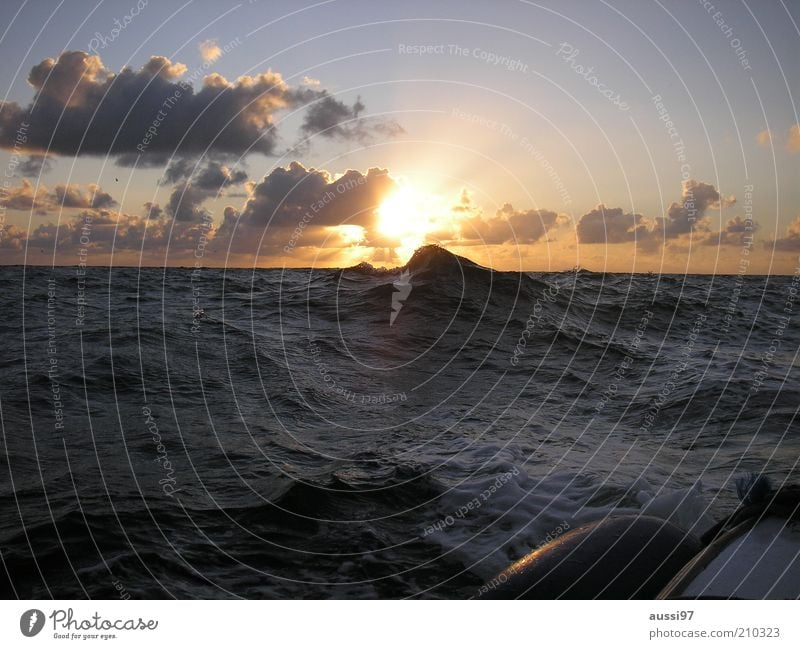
(290, 441)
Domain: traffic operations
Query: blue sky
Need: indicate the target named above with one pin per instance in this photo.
(533, 133)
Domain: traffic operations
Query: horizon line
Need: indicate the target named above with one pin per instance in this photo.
(565, 270)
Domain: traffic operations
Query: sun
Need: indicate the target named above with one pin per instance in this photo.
(402, 214)
(407, 216)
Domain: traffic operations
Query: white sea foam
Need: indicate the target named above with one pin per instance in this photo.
(495, 518)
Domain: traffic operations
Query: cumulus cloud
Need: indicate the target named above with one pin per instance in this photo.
(186, 203)
(12, 237)
(508, 225)
(737, 232)
(74, 196)
(152, 210)
(83, 108)
(41, 200)
(790, 241)
(611, 225)
(335, 211)
(311, 200)
(351, 198)
(683, 216)
(614, 225)
(162, 67)
(102, 232)
(26, 197)
(213, 176)
(210, 50)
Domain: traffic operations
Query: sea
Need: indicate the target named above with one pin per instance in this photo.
(370, 433)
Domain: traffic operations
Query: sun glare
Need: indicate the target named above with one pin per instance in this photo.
(408, 216)
(350, 234)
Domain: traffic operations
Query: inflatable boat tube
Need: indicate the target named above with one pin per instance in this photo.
(757, 559)
(622, 557)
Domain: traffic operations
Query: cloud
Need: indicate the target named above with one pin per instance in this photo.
(328, 116)
(508, 225)
(213, 177)
(465, 204)
(210, 50)
(611, 225)
(614, 225)
(35, 165)
(331, 118)
(27, 197)
(737, 232)
(335, 210)
(178, 169)
(309, 203)
(790, 241)
(351, 198)
(83, 108)
(162, 67)
(186, 203)
(74, 196)
(103, 232)
(793, 141)
(152, 210)
(12, 237)
(764, 138)
(682, 217)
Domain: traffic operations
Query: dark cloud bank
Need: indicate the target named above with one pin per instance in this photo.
(82, 108)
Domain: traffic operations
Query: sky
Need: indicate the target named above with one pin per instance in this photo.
(625, 136)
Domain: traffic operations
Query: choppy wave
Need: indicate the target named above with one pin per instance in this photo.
(369, 432)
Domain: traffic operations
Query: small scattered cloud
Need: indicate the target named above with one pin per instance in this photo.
(40, 199)
(790, 241)
(216, 176)
(793, 141)
(213, 176)
(331, 118)
(35, 165)
(109, 232)
(508, 225)
(614, 225)
(764, 138)
(12, 237)
(74, 196)
(737, 232)
(210, 50)
(178, 169)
